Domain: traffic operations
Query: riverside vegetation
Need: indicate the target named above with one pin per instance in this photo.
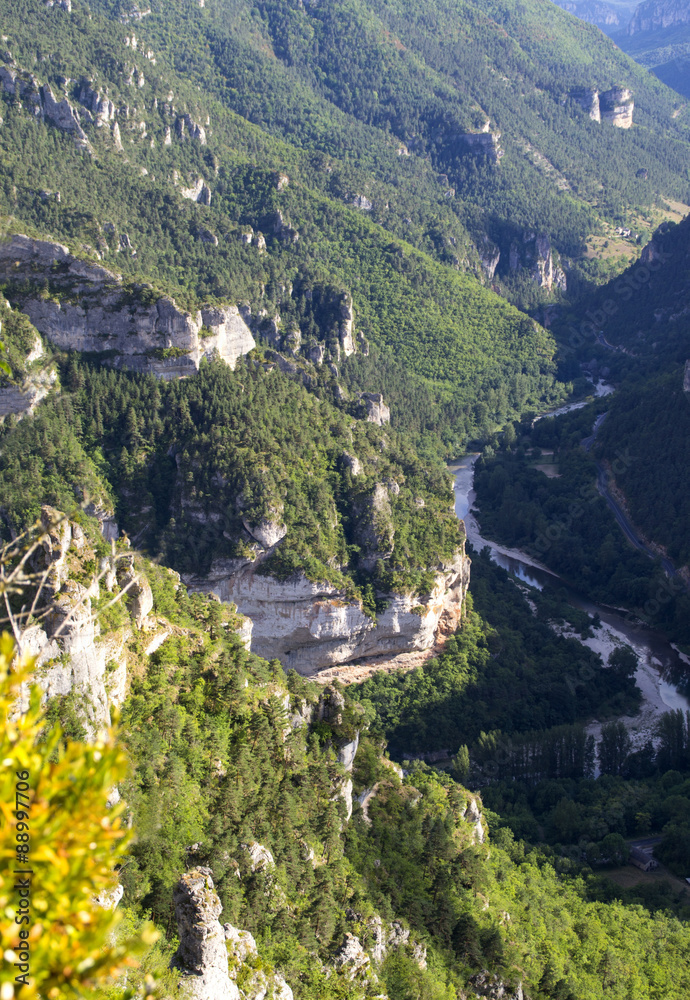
(311, 164)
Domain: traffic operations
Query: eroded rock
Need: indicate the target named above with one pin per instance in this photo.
(99, 315)
(202, 956)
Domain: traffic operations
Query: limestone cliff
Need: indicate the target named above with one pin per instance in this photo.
(612, 107)
(312, 626)
(88, 309)
(73, 658)
(483, 143)
(535, 255)
(617, 106)
(655, 14)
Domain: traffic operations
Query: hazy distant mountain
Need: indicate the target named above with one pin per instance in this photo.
(612, 18)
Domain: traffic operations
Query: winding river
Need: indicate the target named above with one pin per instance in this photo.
(661, 668)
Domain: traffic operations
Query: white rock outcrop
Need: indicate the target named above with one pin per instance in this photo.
(61, 113)
(483, 143)
(312, 626)
(99, 315)
(376, 410)
(536, 256)
(347, 321)
(473, 816)
(202, 956)
(617, 106)
(612, 107)
(352, 958)
(21, 400)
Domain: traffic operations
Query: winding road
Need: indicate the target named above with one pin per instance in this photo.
(618, 512)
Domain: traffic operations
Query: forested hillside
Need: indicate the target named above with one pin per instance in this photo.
(249, 773)
(636, 327)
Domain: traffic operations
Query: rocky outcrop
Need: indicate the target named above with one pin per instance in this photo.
(536, 255)
(351, 958)
(604, 15)
(99, 315)
(588, 99)
(312, 626)
(612, 107)
(61, 113)
(282, 230)
(23, 399)
(362, 202)
(617, 106)
(269, 530)
(484, 143)
(187, 128)
(473, 816)
(202, 956)
(653, 15)
(489, 255)
(257, 983)
(374, 530)
(99, 105)
(109, 898)
(137, 588)
(71, 656)
(199, 192)
(347, 322)
(484, 984)
(376, 410)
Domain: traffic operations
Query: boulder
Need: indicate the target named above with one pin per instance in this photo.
(240, 943)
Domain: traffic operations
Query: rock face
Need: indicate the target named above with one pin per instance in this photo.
(187, 128)
(602, 14)
(377, 411)
(155, 337)
(536, 255)
(588, 99)
(473, 815)
(138, 590)
(489, 255)
(199, 192)
(612, 107)
(654, 14)
(61, 113)
(256, 984)
(71, 657)
(100, 106)
(617, 107)
(347, 320)
(351, 957)
(312, 626)
(362, 202)
(202, 956)
(22, 400)
(484, 143)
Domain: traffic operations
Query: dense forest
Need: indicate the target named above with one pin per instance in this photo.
(228, 752)
(191, 465)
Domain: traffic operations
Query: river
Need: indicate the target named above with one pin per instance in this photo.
(661, 668)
